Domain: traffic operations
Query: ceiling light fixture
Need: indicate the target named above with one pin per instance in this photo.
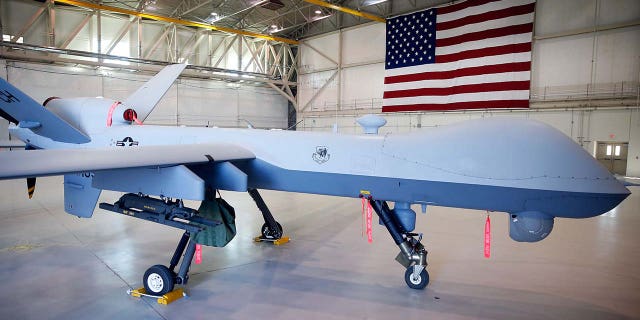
(150, 5)
(213, 17)
(372, 2)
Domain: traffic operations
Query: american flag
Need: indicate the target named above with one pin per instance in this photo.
(474, 54)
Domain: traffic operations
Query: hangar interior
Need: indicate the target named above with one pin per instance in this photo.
(307, 67)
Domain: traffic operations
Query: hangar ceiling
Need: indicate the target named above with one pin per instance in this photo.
(293, 19)
(260, 35)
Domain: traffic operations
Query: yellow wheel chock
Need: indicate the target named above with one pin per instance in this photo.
(277, 242)
(164, 299)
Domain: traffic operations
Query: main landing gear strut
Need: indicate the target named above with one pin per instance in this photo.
(413, 255)
(271, 230)
(159, 279)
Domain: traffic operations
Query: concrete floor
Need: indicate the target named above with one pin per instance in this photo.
(56, 266)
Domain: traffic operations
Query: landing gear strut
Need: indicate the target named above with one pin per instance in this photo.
(413, 255)
(271, 229)
(159, 280)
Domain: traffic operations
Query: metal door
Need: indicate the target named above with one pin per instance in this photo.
(613, 155)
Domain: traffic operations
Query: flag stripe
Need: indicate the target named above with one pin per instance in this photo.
(464, 72)
(485, 34)
(458, 105)
(481, 44)
(491, 15)
(476, 9)
(491, 51)
(461, 64)
(462, 97)
(485, 26)
(462, 80)
(467, 88)
(463, 5)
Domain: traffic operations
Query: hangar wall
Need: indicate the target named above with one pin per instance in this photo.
(584, 83)
(189, 102)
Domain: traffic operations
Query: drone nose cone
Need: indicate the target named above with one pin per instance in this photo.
(609, 201)
(619, 190)
(597, 191)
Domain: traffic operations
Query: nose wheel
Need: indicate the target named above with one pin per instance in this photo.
(416, 279)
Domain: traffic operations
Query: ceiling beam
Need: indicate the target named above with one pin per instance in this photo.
(90, 5)
(76, 30)
(347, 10)
(265, 21)
(123, 31)
(187, 6)
(251, 7)
(30, 22)
(34, 53)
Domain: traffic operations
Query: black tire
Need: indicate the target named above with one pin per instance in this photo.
(271, 234)
(418, 283)
(158, 280)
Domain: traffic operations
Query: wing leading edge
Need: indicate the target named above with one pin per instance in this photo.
(31, 163)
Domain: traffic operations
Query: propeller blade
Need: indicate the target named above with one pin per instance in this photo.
(31, 181)
(31, 186)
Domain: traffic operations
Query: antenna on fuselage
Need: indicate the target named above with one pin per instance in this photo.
(371, 123)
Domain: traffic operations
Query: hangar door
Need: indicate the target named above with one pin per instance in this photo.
(613, 156)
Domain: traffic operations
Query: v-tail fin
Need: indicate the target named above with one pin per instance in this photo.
(19, 108)
(147, 97)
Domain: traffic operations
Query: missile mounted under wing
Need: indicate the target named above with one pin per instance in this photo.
(525, 168)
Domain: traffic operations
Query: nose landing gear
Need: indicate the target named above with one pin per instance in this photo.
(413, 255)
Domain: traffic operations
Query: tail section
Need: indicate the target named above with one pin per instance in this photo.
(21, 109)
(70, 120)
(146, 97)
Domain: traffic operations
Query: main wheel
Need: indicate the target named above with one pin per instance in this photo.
(158, 280)
(416, 282)
(271, 234)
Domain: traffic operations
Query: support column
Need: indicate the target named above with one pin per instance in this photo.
(51, 34)
(99, 29)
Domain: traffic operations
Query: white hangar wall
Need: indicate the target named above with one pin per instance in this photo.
(608, 56)
(188, 102)
(578, 77)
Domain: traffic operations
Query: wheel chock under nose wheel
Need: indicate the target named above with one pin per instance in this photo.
(163, 299)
